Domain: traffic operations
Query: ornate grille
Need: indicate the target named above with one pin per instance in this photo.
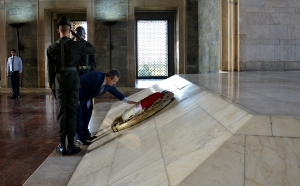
(75, 24)
(152, 48)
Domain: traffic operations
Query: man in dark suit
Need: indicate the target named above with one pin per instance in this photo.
(94, 84)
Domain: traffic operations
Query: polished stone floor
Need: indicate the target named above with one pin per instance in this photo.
(242, 128)
(28, 132)
(28, 135)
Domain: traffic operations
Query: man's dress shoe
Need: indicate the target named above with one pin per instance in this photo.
(83, 142)
(90, 137)
(73, 150)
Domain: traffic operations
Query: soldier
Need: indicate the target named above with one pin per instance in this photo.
(88, 62)
(63, 59)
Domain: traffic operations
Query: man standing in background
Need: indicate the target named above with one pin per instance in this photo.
(14, 71)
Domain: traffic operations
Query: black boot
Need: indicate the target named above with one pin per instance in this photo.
(72, 149)
(61, 148)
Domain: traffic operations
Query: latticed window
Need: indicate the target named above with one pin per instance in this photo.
(152, 48)
(75, 24)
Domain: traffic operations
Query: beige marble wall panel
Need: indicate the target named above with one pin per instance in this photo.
(289, 18)
(242, 66)
(297, 58)
(271, 18)
(265, 52)
(294, 32)
(280, 3)
(252, 53)
(279, 32)
(273, 66)
(258, 31)
(290, 41)
(215, 170)
(242, 48)
(285, 126)
(255, 18)
(272, 9)
(242, 16)
(272, 161)
(285, 52)
(256, 3)
(262, 41)
(254, 65)
(250, 41)
(290, 65)
(260, 52)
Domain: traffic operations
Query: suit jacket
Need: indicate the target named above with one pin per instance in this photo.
(91, 84)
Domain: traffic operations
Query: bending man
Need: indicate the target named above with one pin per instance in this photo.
(94, 84)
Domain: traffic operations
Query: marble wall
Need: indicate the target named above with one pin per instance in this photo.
(209, 36)
(114, 10)
(271, 32)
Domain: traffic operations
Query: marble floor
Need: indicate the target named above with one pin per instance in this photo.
(28, 134)
(28, 137)
(222, 129)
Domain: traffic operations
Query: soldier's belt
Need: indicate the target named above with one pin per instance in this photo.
(84, 67)
(69, 69)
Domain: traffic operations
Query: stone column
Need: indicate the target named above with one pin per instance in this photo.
(233, 36)
(3, 58)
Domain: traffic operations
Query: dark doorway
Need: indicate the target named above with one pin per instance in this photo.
(155, 44)
(74, 17)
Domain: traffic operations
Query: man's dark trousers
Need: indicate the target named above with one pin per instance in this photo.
(83, 118)
(14, 80)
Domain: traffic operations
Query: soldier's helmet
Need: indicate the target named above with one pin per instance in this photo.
(64, 21)
(80, 31)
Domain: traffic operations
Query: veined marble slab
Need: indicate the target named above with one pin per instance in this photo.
(217, 131)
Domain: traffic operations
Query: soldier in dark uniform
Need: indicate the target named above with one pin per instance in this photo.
(63, 59)
(87, 63)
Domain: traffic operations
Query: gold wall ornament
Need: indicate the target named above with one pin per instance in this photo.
(119, 124)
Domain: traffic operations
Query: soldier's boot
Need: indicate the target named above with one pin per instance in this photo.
(72, 149)
(61, 148)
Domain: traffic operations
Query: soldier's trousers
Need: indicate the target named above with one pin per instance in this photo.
(67, 102)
